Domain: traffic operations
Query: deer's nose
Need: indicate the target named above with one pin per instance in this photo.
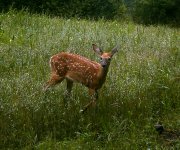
(103, 65)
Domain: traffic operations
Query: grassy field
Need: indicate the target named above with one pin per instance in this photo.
(142, 86)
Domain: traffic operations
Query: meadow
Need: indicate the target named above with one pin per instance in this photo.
(142, 86)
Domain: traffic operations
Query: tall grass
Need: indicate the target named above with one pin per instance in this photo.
(142, 86)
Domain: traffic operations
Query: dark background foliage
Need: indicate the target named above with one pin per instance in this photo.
(141, 11)
(157, 11)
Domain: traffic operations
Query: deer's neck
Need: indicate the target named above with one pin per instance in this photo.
(103, 75)
(105, 71)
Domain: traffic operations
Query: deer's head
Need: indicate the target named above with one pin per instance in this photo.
(105, 58)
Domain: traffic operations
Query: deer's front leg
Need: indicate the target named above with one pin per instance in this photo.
(69, 87)
(94, 95)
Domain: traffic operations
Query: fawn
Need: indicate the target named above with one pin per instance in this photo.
(76, 68)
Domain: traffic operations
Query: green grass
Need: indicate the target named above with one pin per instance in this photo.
(142, 86)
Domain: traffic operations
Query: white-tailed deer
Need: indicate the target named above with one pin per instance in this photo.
(75, 68)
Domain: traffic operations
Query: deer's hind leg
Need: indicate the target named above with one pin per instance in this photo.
(55, 79)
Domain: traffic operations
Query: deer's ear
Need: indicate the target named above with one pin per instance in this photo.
(97, 49)
(114, 50)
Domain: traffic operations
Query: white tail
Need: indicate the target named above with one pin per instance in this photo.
(75, 68)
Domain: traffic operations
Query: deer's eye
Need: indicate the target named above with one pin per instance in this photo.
(109, 59)
(100, 58)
